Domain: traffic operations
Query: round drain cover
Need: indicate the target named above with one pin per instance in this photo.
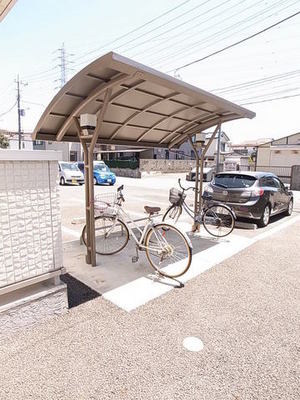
(192, 343)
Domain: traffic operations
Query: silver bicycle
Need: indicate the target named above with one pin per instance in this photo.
(168, 250)
(217, 218)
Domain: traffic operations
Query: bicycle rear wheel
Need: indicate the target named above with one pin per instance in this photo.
(172, 214)
(167, 250)
(218, 220)
(111, 235)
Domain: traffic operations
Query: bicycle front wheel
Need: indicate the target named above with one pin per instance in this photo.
(218, 220)
(172, 214)
(111, 235)
(167, 250)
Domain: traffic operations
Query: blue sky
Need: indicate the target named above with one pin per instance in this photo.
(267, 65)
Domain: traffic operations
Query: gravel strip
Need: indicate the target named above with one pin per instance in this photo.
(245, 310)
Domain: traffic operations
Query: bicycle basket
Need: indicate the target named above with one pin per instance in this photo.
(105, 203)
(176, 195)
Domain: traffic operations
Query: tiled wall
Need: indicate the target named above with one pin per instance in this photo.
(30, 232)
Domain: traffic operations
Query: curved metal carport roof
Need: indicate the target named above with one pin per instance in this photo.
(135, 106)
(145, 108)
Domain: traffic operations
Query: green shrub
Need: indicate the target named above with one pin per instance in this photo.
(122, 164)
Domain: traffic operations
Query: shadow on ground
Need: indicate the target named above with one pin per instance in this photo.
(78, 292)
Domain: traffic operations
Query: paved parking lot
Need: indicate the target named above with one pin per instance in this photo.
(116, 277)
(150, 190)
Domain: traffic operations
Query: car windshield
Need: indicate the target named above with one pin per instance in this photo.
(101, 167)
(69, 166)
(234, 181)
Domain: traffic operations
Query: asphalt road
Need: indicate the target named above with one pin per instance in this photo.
(245, 310)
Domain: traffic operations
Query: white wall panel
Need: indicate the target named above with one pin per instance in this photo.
(30, 232)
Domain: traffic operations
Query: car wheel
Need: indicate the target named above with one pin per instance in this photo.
(95, 181)
(265, 217)
(290, 208)
(62, 181)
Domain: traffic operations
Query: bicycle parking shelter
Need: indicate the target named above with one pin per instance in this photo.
(133, 105)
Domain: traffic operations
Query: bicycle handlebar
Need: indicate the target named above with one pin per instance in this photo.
(184, 189)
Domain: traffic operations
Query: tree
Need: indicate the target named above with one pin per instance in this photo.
(4, 143)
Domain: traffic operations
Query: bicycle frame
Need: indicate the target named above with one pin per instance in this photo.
(188, 210)
(125, 217)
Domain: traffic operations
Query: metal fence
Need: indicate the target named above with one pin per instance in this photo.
(284, 173)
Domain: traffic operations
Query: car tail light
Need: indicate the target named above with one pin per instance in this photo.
(257, 192)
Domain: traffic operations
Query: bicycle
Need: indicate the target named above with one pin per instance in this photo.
(217, 218)
(168, 250)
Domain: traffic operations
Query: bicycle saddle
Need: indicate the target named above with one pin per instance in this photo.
(152, 210)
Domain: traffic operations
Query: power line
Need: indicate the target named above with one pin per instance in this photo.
(164, 24)
(181, 24)
(160, 50)
(45, 74)
(134, 30)
(273, 99)
(268, 94)
(221, 32)
(8, 111)
(237, 43)
(257, 82)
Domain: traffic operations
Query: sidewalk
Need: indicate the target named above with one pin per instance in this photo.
(246, 311)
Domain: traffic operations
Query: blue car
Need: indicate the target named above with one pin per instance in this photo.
(102, 174)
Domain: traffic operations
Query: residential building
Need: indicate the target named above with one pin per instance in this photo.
(247, 147)
(70, 151)
(279, 156)
(13, 138)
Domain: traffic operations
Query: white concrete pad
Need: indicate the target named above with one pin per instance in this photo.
(140, 291)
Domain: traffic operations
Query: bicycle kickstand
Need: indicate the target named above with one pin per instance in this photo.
(136, 257)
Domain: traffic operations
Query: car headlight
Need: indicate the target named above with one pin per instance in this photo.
(102, 176)
(209, 189)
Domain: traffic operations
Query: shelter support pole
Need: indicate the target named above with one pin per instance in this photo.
(90, 194)
(218, 149)
(204, 151)
(196, 225)
(87, 189)
(199, 181)
(88, 144)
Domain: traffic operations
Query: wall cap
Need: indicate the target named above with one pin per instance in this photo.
(30, 155)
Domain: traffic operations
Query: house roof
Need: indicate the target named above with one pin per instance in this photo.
(146, 108)
(285, 140)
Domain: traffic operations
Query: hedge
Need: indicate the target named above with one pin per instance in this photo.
(122, 164)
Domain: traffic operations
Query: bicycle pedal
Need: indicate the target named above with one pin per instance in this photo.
(135, 259)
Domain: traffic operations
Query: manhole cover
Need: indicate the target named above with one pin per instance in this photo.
(192, 343)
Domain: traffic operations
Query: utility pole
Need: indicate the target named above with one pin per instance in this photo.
(218, 149)
(21, 112)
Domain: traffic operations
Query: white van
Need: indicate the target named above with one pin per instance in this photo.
(69, 173)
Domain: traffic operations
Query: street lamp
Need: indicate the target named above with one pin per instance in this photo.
(88, 122)
(200, 139)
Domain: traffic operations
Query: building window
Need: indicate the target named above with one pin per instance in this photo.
(73, 155)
